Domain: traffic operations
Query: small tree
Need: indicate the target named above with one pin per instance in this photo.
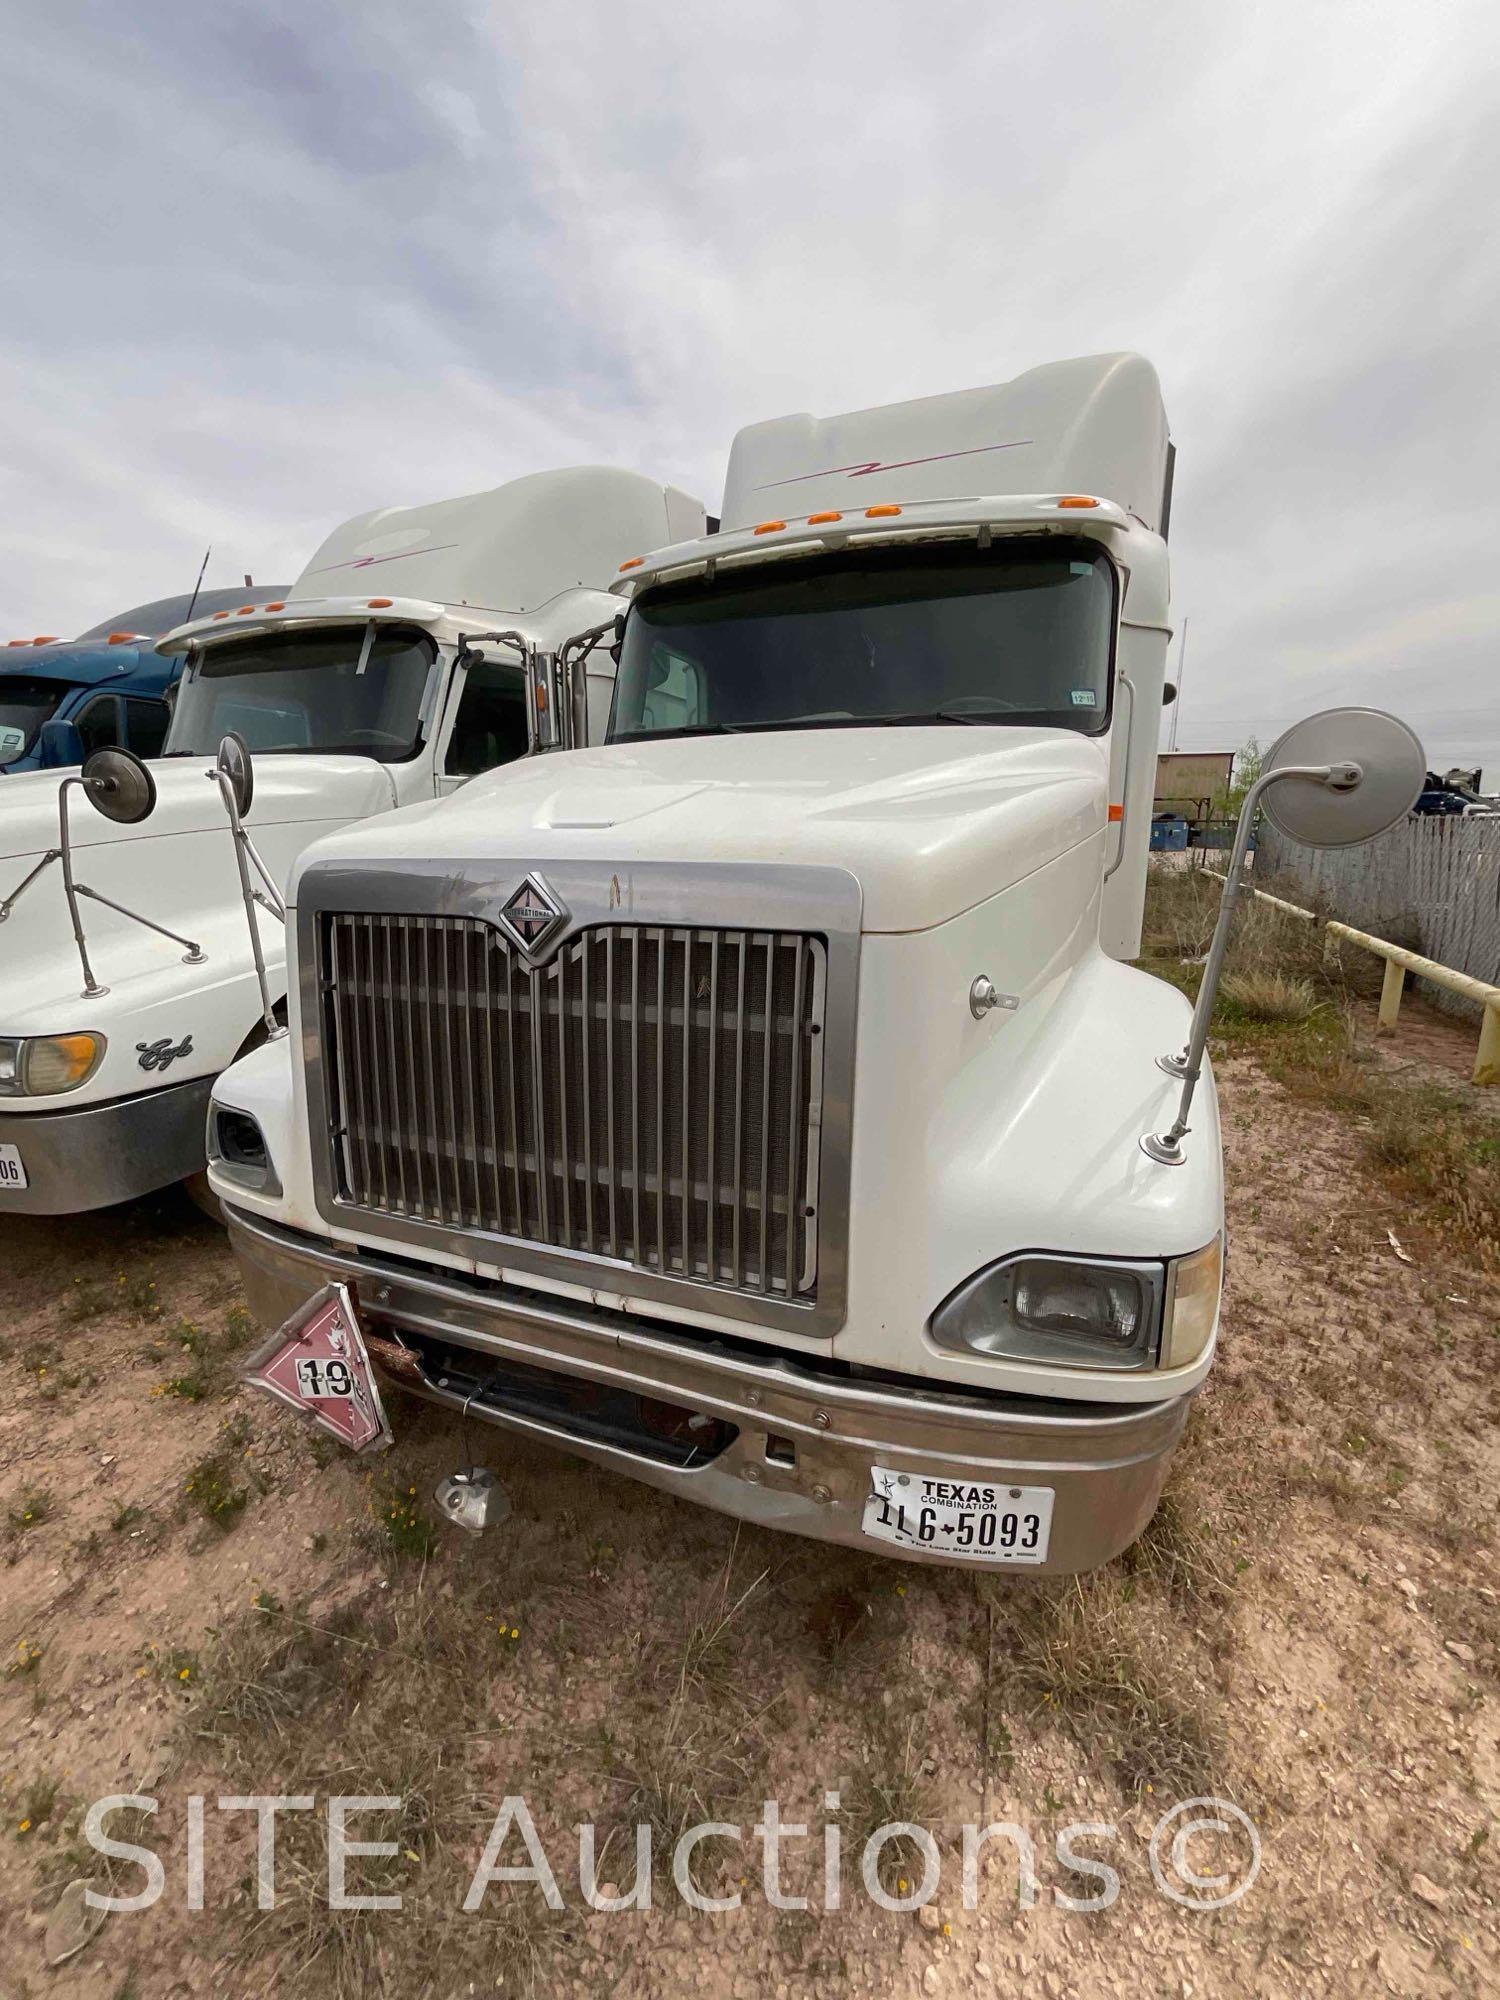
(1248, 765)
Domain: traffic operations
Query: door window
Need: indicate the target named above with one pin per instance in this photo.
(99, 723)
(146, 722)
(490, 726)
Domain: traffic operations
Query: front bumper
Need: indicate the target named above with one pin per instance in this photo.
(1105, 1463)
(95, 1154)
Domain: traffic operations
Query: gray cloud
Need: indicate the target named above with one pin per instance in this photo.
(279, 264)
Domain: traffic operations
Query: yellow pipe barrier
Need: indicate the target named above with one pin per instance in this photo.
(1399, 961)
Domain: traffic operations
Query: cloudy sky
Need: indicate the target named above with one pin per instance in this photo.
(270, 265)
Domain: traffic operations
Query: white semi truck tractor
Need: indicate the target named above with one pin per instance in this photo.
(760, 1102)
(141, 944)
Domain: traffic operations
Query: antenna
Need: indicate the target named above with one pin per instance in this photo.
(199, 584)
(1177, 705)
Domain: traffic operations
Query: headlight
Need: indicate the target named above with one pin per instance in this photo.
(237, 1147)
(1192, 1304)
(45, 1065)
(1083, 1312)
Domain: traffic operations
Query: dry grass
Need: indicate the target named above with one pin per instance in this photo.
(1433, 1145)
(1269, 995)
(1111, 1663)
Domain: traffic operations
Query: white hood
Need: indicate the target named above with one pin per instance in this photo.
(930, 820)
(176, 868)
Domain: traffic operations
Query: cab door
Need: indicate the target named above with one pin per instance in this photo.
(489, 719)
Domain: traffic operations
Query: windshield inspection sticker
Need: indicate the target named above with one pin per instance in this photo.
(1085, 698)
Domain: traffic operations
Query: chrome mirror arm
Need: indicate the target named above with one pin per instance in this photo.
(269, 898)
(73, 889)
(1166, 1147)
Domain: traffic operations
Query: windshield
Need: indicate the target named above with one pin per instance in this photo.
(356, 690)
(1017, 634)
(24, 706)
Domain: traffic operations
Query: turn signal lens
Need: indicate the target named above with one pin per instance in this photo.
(1076, 500)
(46, 1065)
(1193, 1285)
(634, 563)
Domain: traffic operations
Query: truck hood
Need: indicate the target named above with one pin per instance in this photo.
(930, 820)
(287, 789)
(176, 868)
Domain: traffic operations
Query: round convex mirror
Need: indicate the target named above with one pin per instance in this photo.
(234, 762)
(119, 785)
(1392, 770)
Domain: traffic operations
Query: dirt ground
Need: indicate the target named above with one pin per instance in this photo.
(199, 1597)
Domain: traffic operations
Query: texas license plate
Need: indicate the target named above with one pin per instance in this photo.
(12, 1168)
(973, 1521)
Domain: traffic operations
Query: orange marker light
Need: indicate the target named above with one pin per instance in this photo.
(221, 614)
(880, 513)
(769, 527)
(1077, 500)
(815, 520)
(45, 639)
(244, 611)
(120, 638)
(634, 563)
(1116, 813)
(278, 605)
(380, 603)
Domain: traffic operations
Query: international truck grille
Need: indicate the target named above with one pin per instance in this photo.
(651, 1094)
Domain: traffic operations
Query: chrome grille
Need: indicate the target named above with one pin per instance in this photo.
(652, 1094)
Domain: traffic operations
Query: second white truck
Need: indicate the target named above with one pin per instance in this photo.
(417, 649)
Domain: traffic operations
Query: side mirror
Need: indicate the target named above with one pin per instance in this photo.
(1333, 780)
(119, 785)
(234, 764)
(59, 746)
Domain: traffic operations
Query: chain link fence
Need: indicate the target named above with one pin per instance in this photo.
(1432, 884)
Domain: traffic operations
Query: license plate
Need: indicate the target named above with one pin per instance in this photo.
(316, 1363)
(12, 1168)
(971, 1521)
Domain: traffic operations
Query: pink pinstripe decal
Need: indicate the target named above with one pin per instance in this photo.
(863, 471)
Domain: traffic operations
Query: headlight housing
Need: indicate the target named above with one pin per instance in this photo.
(237, 1149)
(47, 1065)
(1085, 1312)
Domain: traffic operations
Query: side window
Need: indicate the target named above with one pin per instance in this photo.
(490, 726)
(99, 723)
(675, 700)
(146, 725)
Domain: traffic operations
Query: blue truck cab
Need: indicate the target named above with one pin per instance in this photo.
(61, 699)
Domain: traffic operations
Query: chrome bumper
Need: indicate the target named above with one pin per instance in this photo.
(1105, 1463)
(97, 1154)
